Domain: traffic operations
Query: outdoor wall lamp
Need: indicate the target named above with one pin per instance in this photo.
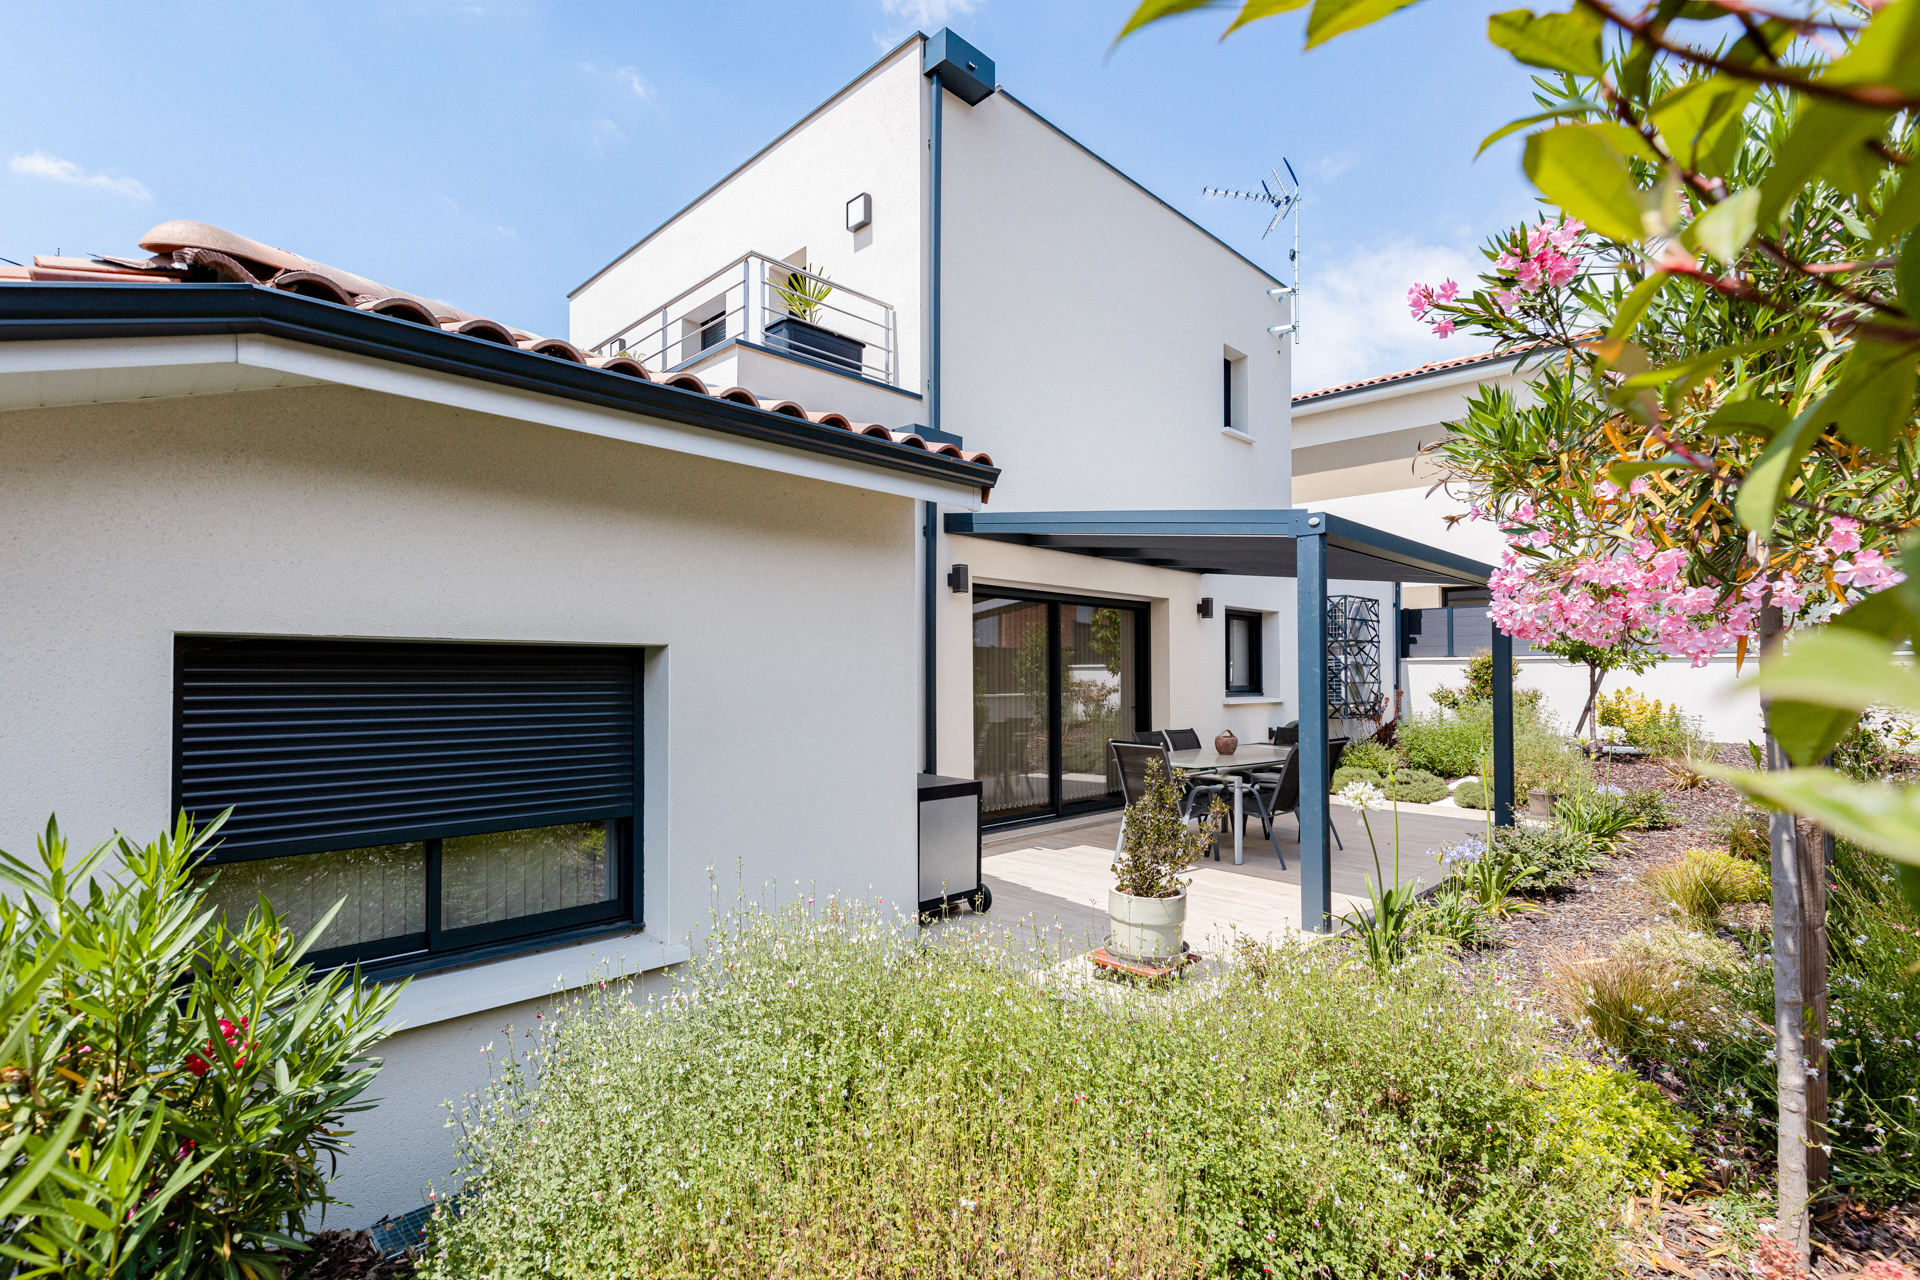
(1205, 606)
(1284, 291)
(1281, 330)
(860, 212)
(957, 580)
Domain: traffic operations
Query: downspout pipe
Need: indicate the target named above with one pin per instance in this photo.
(930, 658)
(956, 67)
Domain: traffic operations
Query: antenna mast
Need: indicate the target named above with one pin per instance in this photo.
(1283, 194)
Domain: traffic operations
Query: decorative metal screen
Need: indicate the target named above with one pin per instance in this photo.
(1353, 657)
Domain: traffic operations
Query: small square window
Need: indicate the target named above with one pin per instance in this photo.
(1243, 653)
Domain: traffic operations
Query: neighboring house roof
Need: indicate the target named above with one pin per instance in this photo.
(303, 299)
(1431, 369)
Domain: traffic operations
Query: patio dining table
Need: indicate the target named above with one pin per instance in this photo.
(1246, 760)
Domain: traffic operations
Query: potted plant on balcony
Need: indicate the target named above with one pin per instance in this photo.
(1148, 902)
(801, 294)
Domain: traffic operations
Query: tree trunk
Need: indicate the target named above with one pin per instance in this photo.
(1789, 1006)
(1812, 847)
(1594, 676)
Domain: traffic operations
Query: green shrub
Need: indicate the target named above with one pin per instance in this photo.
(1368, 754)
(1471, 795)
(1596, 815)
(1873, 1025)
(1454, 918)
(195, 1079)
(1159, 845)
(819, 1096)
(1416, 786)
(1455, 744)
(1448, 744)
(1345, 776)
(1641, 1006)
(1745, 835)
(1703, 881)
(1558, 855)
(1648, 810)
(1650, 725)
(1618, 1131)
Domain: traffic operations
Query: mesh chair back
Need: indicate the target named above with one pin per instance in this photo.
(1182, 740)
(1286, 797)
(1152, 737)
(1336, 750)
(1132, 758)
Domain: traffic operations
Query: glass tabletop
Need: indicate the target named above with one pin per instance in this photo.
(1249, 756)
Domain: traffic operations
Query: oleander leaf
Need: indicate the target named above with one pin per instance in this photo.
(1578, 168)
(1567, 42)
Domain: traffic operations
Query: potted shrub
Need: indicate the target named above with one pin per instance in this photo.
(1148, 902)
(797, 331)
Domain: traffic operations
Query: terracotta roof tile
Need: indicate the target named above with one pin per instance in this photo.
(1426, 370)
(197, 252)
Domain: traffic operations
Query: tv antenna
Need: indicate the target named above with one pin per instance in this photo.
(1283, 194)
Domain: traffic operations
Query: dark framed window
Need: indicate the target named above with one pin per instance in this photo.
(1243, 653)
(464, 800)
(1226, 391)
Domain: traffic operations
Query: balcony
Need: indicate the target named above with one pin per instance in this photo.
(772, 305)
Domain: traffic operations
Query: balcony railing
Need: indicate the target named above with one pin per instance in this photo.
(773, 304)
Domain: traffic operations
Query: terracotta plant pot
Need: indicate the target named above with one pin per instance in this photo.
(1226, 744)
(1147, 929)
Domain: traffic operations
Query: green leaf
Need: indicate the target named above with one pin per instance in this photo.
(1747, 418)
(1906, 275)
(1331, 18)
(1900, 211)
(1882, 817)
(1567, 42)
(1577, 108)
(1807, 732)
(1700, 122)
(1873, 402)
(1628, 472)
(1823, 131)
(1725, 229)
(1909, 883)
(1254, 10)
(1635, 305)
(1839, 667)
(1766, 480)
(1155, 10)
(1690, 370)
(1579, 169)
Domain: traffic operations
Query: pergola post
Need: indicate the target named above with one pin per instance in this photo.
(1502, 794)
(1316, 866)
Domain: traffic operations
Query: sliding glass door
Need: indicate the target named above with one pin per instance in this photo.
(1053, 679)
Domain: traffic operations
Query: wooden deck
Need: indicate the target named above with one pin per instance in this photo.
(1050, 883)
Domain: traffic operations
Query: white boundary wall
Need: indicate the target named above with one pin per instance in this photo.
(1728, 712)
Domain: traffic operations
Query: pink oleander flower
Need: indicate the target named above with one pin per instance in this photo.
(1567, 233)
(1791, 596)
(1558, 268)
(1506, 262)
(1447, 291)
(1419, 300)
(1538, 238)
(1607, 490)
(1443, 328)
(1507, 298)
(1843, 535)
(1868, 570)
(1527, 274)
(1639, 486)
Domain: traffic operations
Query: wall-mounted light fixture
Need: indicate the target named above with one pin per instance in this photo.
(860, 212)
(1205, 606)
(957, 580)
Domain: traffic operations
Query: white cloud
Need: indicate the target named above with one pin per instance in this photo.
(41, 165)
(928, 14)
(1354, 321)
(627, 77)
(605, 132)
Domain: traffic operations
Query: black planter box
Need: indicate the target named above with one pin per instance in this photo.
(810, 340)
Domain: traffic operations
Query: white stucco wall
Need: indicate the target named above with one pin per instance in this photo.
(1085, 323)
(778, 612)
(1728, 712)
(869, 138)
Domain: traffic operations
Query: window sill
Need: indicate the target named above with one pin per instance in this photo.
(1251, 700)
(1238, 435)
(493, 984)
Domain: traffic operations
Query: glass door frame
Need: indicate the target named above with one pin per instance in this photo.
(1142, 611)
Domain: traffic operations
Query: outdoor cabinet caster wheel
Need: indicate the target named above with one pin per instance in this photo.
(983, 900)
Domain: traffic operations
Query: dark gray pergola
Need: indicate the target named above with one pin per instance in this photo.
(1309, 547)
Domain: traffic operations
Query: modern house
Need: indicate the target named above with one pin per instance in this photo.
(514, 642)
(1358, 452)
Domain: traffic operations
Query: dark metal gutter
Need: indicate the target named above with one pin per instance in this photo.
(39, 312)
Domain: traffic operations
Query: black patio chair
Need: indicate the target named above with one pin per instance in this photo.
(1131, 759)
(1281, 791)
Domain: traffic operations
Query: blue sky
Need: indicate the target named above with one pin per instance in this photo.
(496, 154)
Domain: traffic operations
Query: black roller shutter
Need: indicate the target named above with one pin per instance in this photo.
(335, 745)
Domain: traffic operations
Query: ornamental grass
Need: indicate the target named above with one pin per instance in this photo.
(824, 1093)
